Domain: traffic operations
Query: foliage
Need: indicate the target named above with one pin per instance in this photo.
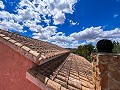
(116, 48)
(84, 50)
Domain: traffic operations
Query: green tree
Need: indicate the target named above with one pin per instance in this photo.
(116, 48)
(85, 51)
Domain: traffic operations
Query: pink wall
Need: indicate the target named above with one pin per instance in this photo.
(13, 67)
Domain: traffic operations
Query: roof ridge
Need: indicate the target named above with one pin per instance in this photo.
(30, 53)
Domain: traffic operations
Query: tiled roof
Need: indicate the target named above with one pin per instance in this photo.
(56, 67)
(68, 71)
(36, 50)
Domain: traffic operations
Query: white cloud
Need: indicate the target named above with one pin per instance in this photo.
(59, 18)
(93, 34)
(6, 15)
(60, 37)
(30, 13)
(115, 15)
(12, 25)
(57, 10)
(74, 44)
(47, 21)
(83, 43)
(2, 6)
(73, 23)
(88, 33)
(44, 33)
(24, 14)
(54, 8)
(62, 44)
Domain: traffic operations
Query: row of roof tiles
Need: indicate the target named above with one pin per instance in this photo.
(35, 50)
(56, 67)
(65, 72)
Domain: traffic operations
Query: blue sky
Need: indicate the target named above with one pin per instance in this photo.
(67, 23)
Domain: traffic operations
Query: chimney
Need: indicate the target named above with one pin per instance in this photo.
(106, 67)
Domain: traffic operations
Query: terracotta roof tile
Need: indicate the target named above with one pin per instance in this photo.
(57, 68)
(12, 41)
(2, 35)
(35, 50)
(65, 72)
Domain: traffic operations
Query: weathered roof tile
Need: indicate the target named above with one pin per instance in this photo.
(57, 68)
(63, 71)
(33, 53)
(2, 35)
(18, 44)
(7, 38)
(12, 41)
(25, 48)
(31, 48)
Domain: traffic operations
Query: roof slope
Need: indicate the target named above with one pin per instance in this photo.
(35, 50)
(56, 67)
(69, 71)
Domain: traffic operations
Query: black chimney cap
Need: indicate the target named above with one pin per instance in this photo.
(105, 45)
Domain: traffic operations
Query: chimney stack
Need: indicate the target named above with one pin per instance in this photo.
(106, 67)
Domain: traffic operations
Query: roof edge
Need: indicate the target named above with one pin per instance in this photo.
(47, 83)
(32, 55)
(37, 82)
(24, 50)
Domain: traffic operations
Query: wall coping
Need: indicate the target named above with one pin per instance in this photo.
(103, 53)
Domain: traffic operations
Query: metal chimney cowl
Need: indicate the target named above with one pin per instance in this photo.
(105, 45)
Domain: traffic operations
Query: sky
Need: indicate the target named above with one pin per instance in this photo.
(67, 23)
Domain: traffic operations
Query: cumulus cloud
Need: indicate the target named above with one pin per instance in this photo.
(6, 15)
(59, 18)
(93, 34)
(88, 33)
(111, 33)
(12, 25)
(55, 8)
(44, 33)
(2, 6)
(24, 14)
(62, 44)
(31, 14)
(60, 37)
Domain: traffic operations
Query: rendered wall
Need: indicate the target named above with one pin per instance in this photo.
(13, 67)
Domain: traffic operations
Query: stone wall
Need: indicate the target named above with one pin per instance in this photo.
(106, 71)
